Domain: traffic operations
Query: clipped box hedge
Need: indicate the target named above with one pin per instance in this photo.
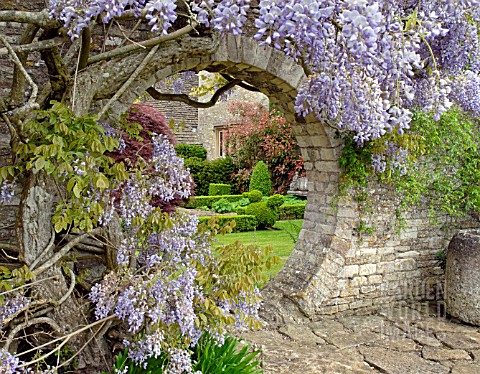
(291, 211)
(218, 189)
(208, 201)
(242, 222)
(241, 210)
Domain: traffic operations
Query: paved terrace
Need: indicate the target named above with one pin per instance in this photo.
(414, 339)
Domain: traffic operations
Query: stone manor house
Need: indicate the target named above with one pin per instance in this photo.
(204, 126)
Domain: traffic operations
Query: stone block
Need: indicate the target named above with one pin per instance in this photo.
(404, 264)
(368, 289)
(408, 254)
(361, 304)
(327, 166)
(347, 213)
(349, 291)
(262, 57)
(367, 269)
(350, 271)
(375, 279)
(386, 267)
(462, 278)
(358, 281)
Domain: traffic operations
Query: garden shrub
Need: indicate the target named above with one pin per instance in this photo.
(261, 179)
(274, 201)
(266, 217)
(242, 222)
(191, 150)
(208, 201)
(205, 172)
(264, 135)
(292, 199)
(291, 211)
(222, 206)
(216, 189)
(241, 210)
(254, 196)
(242, 202)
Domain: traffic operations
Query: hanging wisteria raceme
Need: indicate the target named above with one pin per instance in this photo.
(364, 57)
(368, 62)
(8, 362)
(155, 289)
(7, 191)
(11, 306)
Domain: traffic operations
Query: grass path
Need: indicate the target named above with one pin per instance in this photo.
(282, 239)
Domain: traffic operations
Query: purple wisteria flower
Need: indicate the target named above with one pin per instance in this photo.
(7, 191)
(8, 362)
(11, 306)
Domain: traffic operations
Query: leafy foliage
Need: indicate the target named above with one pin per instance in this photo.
(438, 160)
(291, 211)
(228, 357)
(262, 135)
(205, 172)
(215, 189)
(242, 222)
(208, 201)
(74, 150)
(140, 124)
(275, 201)
(254, 196)
(222, 206)
(266, 216)
(261, 179)
(210, 356)
(191, 150)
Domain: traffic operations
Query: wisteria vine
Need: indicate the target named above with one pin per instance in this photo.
(368, 61)
(155, 288)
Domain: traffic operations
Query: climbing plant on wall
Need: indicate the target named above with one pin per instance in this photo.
(437, 159)
(367, 64)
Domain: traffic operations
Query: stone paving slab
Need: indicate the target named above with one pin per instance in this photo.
(394, 362)
(399, 340)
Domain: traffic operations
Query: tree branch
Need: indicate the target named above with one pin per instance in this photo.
(32, 322)
(142, 45)
(45, 251)
(18, 85)
(31, 104)
(129, 81)
(242, 84)
(63, 251)
(85, 48)
(27, 285)
(183, 98)
(9, 247)
(36, 46)
(57, 71)
(70, 289)
(68, 336)
(40, 19)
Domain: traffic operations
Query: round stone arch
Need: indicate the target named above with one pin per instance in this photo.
(309, 278)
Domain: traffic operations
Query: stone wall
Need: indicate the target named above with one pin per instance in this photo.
(184, 116)
(384, 260)
(333, 267)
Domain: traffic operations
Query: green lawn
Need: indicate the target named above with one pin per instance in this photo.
(282, 239)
